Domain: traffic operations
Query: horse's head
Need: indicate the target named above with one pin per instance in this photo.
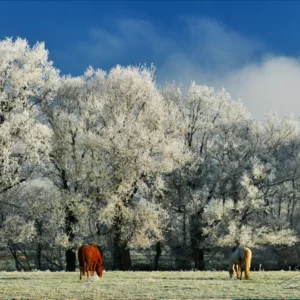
(99, 270)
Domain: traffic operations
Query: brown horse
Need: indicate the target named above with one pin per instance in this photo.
(90, 259)
(240, 260)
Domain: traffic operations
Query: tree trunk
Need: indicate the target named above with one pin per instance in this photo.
(18, 264)
(199, 259)
(197, 240)
(70, 253)
(126, 258)
(157, 255)
(121, 254)
(70, 260)
(38, 256)
(185, 265)
(117, 255)
(39, 245)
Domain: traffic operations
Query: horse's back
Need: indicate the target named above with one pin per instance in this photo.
(98, 254)
(91, 252)
(248, 252)
(240, 254)
(235, 257)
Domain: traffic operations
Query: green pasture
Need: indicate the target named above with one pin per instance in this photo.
(148, 285)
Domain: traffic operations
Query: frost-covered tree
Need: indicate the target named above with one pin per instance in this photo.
(34, 223)
(114, 138)
(227, 145)
(282, 143)
(26, 79)
(244, 213)
(127, 161)
(215, 135)
(145, 140)
(251, 220)
(71, 164)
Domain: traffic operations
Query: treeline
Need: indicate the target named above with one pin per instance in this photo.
(111, 158)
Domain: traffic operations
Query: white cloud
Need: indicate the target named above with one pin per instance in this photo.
(262, 81)
(205, 51)
(271, 85)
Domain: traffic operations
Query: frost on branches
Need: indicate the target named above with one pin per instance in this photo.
(26, 79)
(108, 157)
(233, 193)
(114, 136)
(258, 215)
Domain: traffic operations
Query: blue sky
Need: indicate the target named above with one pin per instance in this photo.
(252, 48)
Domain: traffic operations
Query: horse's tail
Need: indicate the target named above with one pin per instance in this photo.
(81, 261)
(248, 258)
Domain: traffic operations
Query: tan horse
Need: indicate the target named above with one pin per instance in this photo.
(240, 260)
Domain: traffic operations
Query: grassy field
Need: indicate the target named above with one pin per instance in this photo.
(148, 285)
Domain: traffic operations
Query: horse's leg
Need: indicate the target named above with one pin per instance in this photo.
(81, 262)
(90, 267)
(235, 270)
(81, 271)
(85, 266)
(93, 267)
(88, 263)
(248, 257)
(247, 272)
(241, 275)
(238, 271)
(85, 269)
